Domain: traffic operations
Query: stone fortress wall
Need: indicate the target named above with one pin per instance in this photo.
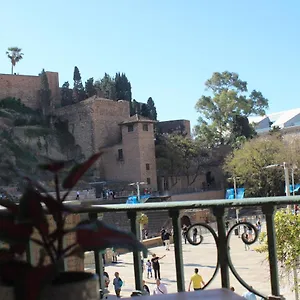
(27, 88)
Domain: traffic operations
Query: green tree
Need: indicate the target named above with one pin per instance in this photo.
(66, 94)
(15, 55)
(106, 87)
(248, 164)
(45, 94)
(135, 108)
(152, 109)
(90, 87)
(122, 87)
(219, 112)
(182, 156)
(78, 89)
(287, 228)
(145, 112)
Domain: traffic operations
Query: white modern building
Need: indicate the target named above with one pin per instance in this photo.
(288, 121)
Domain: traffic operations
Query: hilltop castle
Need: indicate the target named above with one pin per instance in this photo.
(96, 123)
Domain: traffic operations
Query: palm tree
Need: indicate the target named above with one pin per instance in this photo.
(15, 55)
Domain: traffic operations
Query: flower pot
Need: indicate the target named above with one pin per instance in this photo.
(67, 286)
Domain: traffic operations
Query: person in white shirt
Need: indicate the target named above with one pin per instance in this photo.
(160, 288)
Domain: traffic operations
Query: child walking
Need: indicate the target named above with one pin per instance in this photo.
(149, 268)
(117, 284)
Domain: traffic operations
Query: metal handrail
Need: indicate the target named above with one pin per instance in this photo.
(221, 235)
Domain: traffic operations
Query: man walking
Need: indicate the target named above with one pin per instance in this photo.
(197, 281)
(155, 265)
(160, 288)
(166, 238)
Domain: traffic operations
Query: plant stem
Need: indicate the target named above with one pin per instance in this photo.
(65, 196)
(57, 187)
(60, 221)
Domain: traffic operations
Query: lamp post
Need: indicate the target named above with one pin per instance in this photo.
(138, 190)
(286, 179)
(234, 178)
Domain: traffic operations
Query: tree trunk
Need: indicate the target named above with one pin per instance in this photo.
(12, 69)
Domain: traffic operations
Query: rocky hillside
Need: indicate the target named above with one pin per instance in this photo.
(28, 137)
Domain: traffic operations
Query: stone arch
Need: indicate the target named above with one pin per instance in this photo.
(185, 220)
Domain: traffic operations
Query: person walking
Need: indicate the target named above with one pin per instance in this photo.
(106, 279)
(166, 238)
(160, 288)
(155, 265)
(149, 268)
(162, 233)
(117, 284)
(195, 233)
(197, 281)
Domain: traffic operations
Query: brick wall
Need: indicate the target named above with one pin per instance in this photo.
(27, 88)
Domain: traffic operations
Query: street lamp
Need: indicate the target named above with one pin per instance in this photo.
(138, 189)
(286, 178)
(235, 194)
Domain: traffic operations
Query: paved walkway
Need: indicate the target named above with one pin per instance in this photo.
(251, 266)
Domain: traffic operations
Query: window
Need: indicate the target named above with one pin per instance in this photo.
(145, 127)
(130, 128)
(148, 180)
(147, 167)
(120, 154)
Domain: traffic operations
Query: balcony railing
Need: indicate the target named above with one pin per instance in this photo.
(221, 236)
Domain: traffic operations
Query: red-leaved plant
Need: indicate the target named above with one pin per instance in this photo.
(17, 226)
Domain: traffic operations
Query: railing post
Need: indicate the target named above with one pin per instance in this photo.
(135, 229)
(268, 210)
(222, 248)
(174, 214)
(98, 258)
(29, 256)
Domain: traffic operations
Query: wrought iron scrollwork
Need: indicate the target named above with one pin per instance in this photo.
(244, 238)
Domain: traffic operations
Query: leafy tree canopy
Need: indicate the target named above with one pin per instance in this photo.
(106, 87)
(248, 164)
(181, 156)
(152, 109)
(78, 89)
(223, 113)
(15, 55)
(122, 87)
(45, 94)
(66, 94)
(90, 87)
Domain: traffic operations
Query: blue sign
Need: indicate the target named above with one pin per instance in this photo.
(296, 188)
(240, 193)
(134, 199)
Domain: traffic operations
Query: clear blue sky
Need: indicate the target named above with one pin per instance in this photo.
(167, 48)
